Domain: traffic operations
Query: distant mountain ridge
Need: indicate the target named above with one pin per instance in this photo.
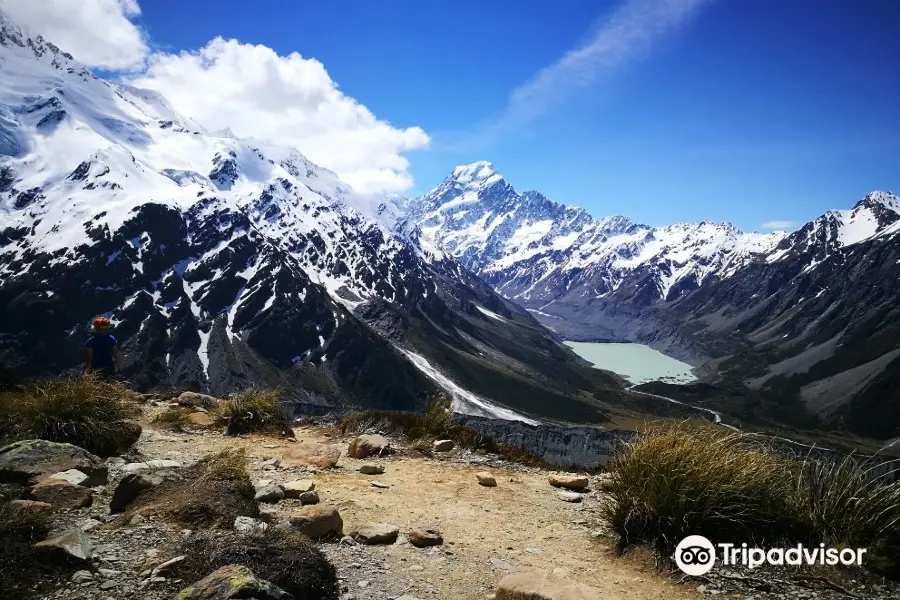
(811, 317)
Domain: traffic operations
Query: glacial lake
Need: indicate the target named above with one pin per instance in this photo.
(635, 362)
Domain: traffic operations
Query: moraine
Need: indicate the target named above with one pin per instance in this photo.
(635, 362)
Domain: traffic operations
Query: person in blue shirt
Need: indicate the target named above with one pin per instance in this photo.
(101, 352)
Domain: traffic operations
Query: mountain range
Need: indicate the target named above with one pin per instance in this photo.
(225, 262)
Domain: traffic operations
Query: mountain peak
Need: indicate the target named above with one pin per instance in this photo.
(880, 199)
(476, 174)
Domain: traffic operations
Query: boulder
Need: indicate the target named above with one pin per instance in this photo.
(306, 454)
(62, 494)
(371, 469)
(230, 583)
(443, 446)
(249, 525)
(425, 536)
(199, 400)
(73, 544)
(539, 585)
(369, 445)
(28, 507)
(569, 496)
(271, 492)
(318, 521)
(293, 489)
(29, 461)
(73, 476)
(311, 497)
(376, 533)
(129, 488)
(486, 479)
(150, 466)
(576, 483)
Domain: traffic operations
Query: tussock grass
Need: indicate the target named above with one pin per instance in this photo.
(284, 557)
(682, 479)
(173, 418)
(253, 410)
(435, 424)
(210, 494)
(99, 416)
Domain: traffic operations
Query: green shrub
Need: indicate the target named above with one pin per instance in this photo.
(173, 418)
(253, 410)
(99, 416)
(284, 557)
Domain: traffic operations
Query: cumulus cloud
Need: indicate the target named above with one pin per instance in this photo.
(778, 225)
(99, 33)
(250, 89)
(290, 100)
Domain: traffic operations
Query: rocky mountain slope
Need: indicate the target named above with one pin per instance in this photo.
(226, 262)
(795, 326)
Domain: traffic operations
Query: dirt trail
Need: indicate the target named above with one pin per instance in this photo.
(520, 524)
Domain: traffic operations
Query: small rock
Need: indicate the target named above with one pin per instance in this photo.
(416, 568)
(136, 520)
(161, 569)
(89, 524)
(443, 446)
(363, 584)
(531, 585)
(347, 541)
(73, 543)
(569, 496)
(82, 576)
(201, 419)
(249, 525)
(570, 482)
(109, 572)
(270, 493)
(28, 507)
(150, 466)
(129, 488)
(108, 585)
(232, 582)
(425, 536)
(62, 494)
(318, 521)
(309, 498)
(377, 533)
(196, 399)
(486, 479)
(293, 489)
(534, 551)
(500, 564)
(368, 445)
(268, 514)
(73, 476)
(605, 482)
(371, 469)
(381, 485)
(272, 463)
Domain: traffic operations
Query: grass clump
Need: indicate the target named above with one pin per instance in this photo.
(97, 415)
(689, 479)
(210, 494)
(436, 423)
(282, 556)
(173, 418)
(253, 410)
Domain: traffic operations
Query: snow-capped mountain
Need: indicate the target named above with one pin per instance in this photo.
(224, 262)
(538, 251)
(793, 324)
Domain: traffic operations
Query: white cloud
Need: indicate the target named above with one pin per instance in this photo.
(779, 225)
(616, 40)
(97, 32)
(290, 100)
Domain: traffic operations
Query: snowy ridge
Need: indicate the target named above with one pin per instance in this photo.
(532, 248)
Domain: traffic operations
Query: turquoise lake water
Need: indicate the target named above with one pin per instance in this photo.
(635, 362)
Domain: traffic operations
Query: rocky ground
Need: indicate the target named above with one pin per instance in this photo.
(521, 524)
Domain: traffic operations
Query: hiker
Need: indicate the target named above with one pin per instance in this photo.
(101, 352)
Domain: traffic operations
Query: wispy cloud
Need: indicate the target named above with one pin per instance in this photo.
(779, 225)
(616, 40)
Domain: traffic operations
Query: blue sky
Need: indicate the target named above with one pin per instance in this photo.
(746, 111)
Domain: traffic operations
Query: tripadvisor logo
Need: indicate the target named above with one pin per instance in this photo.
(695, 555)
